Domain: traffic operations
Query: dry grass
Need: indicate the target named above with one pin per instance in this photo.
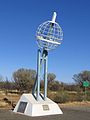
(76, 104)
(3, 104)
(13, 98)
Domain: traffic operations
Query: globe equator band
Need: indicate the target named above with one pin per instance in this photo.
(49, 41)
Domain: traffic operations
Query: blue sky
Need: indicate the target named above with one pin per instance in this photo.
(19, 20)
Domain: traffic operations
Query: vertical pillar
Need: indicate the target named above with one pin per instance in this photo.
(38, 74)
(45, 77)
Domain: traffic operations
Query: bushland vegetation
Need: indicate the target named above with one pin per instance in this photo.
(23, 80)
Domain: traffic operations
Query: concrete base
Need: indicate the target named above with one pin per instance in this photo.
(28, 105)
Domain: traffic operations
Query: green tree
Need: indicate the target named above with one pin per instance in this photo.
(24, 79)
(51, 77)
(54, 86)
(83, 76)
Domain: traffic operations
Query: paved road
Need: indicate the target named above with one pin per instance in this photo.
(69, 114)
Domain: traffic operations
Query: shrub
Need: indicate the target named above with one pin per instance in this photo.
(59, 97)
(79, 97)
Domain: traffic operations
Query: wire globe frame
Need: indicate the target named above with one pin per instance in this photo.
(49, 35)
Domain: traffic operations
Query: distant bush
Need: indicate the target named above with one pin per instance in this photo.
(65, 96)
(79, 97)
(59, 97)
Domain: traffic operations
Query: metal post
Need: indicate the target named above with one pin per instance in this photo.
(34, 87)
(45, 77)
(38, 74)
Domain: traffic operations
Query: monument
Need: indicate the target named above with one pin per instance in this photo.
(49, 35)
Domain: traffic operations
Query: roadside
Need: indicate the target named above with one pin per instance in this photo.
(80, 106)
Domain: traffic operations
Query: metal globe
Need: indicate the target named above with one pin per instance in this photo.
(49, 35)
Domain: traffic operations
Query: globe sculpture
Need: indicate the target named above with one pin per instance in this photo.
(49, 35)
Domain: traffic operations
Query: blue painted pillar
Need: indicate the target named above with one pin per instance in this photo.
(45, 76)
(38, 74)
